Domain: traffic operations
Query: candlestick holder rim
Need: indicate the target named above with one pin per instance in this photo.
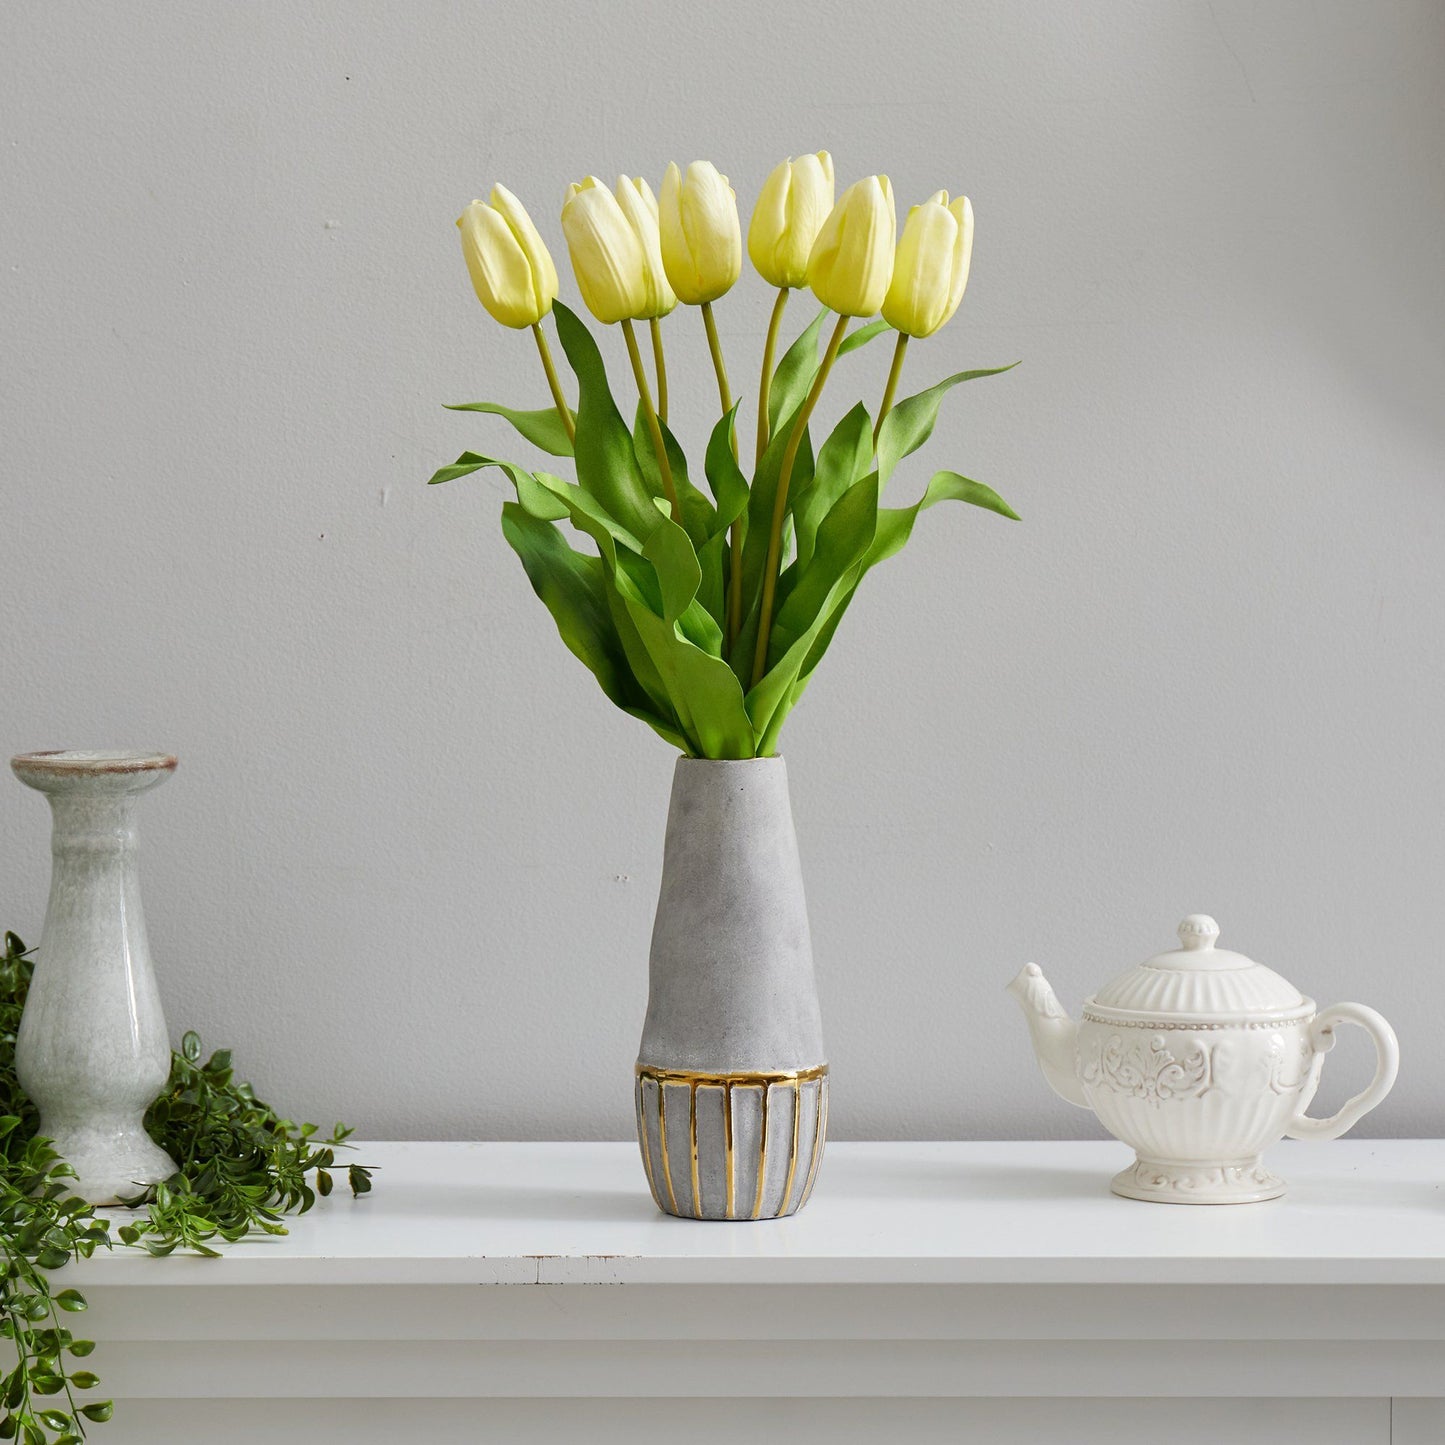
(89, 762)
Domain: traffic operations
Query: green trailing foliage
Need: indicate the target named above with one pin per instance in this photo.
(241, 1168)
(643, 602)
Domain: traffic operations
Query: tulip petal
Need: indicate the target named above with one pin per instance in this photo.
(701, 235)
(852, 259)
(606, 254)
(918, 296)
(539, 258)
(639, 205)
(501, 274)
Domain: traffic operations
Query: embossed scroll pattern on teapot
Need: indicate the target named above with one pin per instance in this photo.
(1199, 1060)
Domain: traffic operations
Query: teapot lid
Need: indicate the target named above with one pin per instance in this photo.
(1198, 978)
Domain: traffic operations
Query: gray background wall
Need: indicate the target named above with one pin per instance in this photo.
(408, 865)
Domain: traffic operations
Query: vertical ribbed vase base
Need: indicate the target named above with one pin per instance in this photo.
(731, 1146)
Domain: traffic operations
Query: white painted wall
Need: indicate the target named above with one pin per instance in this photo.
(408, 864)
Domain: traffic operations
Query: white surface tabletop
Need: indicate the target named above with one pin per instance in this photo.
(1358, 1212)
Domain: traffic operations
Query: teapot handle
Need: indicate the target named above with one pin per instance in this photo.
(1387, 1065)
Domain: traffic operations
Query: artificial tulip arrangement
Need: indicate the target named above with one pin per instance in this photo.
(705, 615)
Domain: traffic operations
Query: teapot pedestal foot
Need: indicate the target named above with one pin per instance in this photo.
(1165, 1181)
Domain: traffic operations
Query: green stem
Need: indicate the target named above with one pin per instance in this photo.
(660, 366)
(780, 502)
(658, 445)
(765, 386)
(558, 400)
(894, 372)
(735, 559)
(724, 391)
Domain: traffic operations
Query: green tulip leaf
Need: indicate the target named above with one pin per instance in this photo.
(588, 517)
(724, 476)
(606, 460)
(895, 527)
(795, 372)
(758, 530)
(910, 423)
(842, 460)
(464, 465)
(863, 335)
(843, 542)
(581, 508)
(703, 689)
(951, 487)
(543, 429)
(676, 565)
(677, 665)
(530, 493)
(572, 587)
(698, 512)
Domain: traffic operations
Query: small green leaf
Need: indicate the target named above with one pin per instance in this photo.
(677, 568)
(101, 1411)
(795, 372)
(724, 476)
(543, 428)
(950, 486)
(842, 460)
(910, 423)
(862, 336)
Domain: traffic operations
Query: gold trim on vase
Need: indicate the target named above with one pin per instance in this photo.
(737, 1076)
(747, 1086)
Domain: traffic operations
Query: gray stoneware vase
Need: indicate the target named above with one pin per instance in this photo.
(92, 1051)
(732, 1087)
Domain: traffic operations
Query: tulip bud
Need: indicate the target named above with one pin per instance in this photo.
(607, 256)
(851, 262)
(931, 267)
(792, 206)
(639, 205)
(511, 268)
(702, 245)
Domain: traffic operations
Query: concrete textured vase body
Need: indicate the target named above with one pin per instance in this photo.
(92, 1050)
(731, 1086)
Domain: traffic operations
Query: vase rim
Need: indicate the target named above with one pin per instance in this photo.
(91, 762)
(729, 762)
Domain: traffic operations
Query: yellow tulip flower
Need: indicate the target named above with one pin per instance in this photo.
(607, 255)
(792, 206)
(511, 268)
(851, 262)
(702, 246)
(931, 267)
(639, 205)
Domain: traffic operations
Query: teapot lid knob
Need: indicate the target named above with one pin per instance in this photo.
(1199, 930)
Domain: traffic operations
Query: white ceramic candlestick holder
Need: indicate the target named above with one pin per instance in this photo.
(92, 1051)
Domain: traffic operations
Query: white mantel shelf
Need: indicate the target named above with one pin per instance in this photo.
(929, 1292)
(1358, 1212)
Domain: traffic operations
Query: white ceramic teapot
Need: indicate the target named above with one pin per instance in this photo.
(1199, 1060)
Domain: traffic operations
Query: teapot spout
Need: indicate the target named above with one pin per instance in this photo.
(1055, 1035)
